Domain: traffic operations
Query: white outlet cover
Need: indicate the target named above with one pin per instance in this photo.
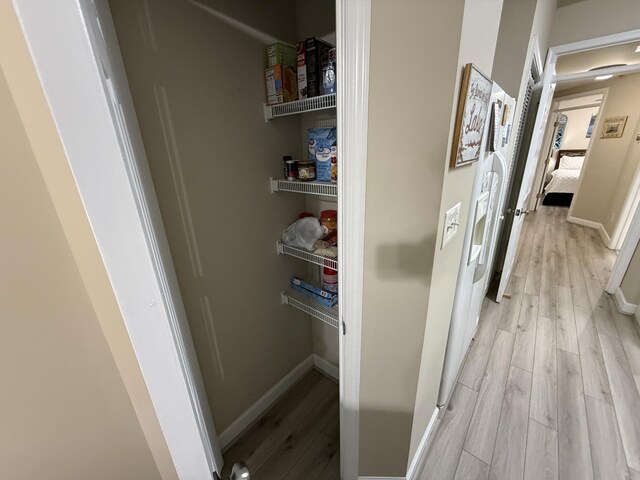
(451, 224)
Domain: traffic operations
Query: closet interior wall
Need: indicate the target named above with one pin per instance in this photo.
(197, 81)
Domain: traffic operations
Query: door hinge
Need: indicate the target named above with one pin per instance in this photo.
(344, 328)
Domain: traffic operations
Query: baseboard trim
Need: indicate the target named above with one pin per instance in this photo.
(326, 367)
(381, 478)
(263, 404)
(624, 307)
(417, 464)
(595, 225)
(584, 223)
(606, 239)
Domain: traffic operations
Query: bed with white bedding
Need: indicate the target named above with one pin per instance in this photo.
(563, 181)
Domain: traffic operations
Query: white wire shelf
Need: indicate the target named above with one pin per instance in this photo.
(299, 106)
(322, 260)
(323, 189)
(328, 315)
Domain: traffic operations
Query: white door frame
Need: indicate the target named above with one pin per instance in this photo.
(124, 216)
(629, 207)
(633, 236)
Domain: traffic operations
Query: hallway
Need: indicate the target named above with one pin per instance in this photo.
(550, 388)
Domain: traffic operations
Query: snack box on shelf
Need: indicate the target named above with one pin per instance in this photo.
(316, 50)
(281, 84)
(281, 54)
(324, 297)
(301, 62)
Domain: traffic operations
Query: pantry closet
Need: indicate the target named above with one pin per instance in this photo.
(196, 74)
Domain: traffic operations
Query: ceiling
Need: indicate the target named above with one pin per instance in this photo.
(563, 87)
(584, 61)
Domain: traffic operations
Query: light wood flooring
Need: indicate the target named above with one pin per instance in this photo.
(299, 438)
(550, 388)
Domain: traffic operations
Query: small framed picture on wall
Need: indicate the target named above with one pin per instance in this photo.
(613, 127)
(473, 105)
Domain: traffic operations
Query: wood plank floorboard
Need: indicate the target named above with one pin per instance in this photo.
(594, 373)
(299, 440)
(542, 453)
(548, 280)
(544, 391)
(509, 452)
(294, 411)
(511, 306)
(579, 290)
(625, 397)
(574, 457)
(444, 453)
(606, 446)
(484, 422)
(572, 365)
(567, 336)
(470, 468)
(476, 361)
(525, 341)
(319, 455)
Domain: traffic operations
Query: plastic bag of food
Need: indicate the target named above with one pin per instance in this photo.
(304, 233)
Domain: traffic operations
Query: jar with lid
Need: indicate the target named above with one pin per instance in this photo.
(329, 218)
(306, 171)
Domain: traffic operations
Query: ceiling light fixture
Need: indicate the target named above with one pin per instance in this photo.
(603, 67)
(638, 49)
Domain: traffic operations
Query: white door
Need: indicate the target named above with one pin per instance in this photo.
(103, 38)
(531, 142)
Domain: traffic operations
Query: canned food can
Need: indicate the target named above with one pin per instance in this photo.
(291, 170)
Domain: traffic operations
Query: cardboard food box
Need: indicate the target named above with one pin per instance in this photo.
(302, 70)
(281, 54)
(319, 295)
(316, 50)
(281, 84)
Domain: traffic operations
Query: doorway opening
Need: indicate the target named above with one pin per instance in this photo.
(570, 67)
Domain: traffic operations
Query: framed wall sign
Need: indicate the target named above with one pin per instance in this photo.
(473, 105)
(613, 127)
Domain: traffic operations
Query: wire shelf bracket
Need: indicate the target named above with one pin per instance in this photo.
(323, 189)
(322, 260)
(299, 106)
(328, 315)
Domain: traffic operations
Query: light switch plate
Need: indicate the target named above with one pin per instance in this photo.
(451, 224)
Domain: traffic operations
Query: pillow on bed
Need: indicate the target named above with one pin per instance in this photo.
(571, 163)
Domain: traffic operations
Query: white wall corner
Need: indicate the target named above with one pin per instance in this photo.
(606, 239)
(265, 402)
(622, 305)
(588, 224)
(418, 461)
(326, 367)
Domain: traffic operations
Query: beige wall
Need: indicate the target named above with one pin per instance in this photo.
(220, 216)
(480, 27)
(64, 409)
(407, 146)
(611, 162)
(401, 251)
(575, 134)
(594, 18)
(47, 152)
(513, 42)
(631, 282)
